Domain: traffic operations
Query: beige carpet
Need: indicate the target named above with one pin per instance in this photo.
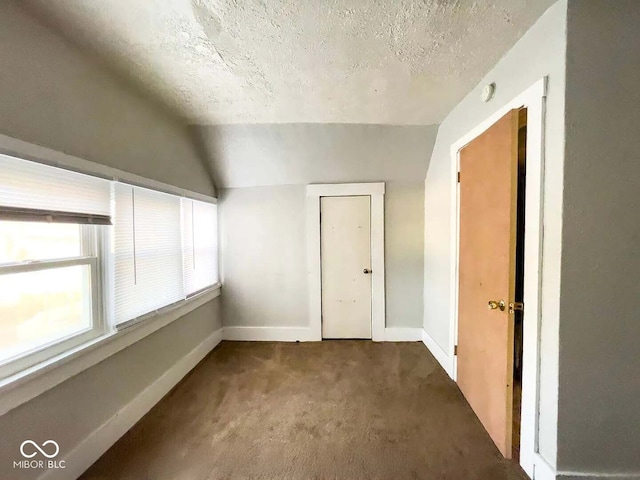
(329, 410)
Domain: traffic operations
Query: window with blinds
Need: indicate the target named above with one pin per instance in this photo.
(67, 237)
(34, 192)
(49, 272)
(147, 251)
(165, 250)
(200, 245)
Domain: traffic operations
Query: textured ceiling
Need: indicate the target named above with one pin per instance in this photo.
(279, 61)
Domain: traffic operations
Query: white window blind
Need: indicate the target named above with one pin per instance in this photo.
(147, 251)
(32, 191)
(200, 245)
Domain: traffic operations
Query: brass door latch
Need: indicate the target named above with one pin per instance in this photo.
(516, 306)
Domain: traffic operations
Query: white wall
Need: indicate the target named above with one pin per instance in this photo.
(599, 397)
(540, 52)
(264, 264)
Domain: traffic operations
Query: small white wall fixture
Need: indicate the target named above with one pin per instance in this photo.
(314, 193)
(534, 100)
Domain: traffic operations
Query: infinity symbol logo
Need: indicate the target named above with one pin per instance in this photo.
(39, 449)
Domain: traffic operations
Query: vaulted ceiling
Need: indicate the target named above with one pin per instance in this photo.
(396, 62)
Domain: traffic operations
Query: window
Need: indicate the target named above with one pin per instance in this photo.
(47, 285)
(49, 261)
(200, 245)
(165, 250)
(147, 251)
(82, 256)
(33, 191)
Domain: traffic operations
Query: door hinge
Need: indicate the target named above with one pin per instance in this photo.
(455, 349)
(458, 177)
(516, 306)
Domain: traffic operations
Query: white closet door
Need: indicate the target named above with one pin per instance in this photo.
(345, 232)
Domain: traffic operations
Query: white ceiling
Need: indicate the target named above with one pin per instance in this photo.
(281, 61)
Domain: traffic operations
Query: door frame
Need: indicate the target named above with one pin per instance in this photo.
(314, 268)
(534, 100)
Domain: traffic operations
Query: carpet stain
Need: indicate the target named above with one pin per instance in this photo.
(325, 410)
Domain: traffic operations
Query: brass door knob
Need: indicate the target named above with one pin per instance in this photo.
(495, 305)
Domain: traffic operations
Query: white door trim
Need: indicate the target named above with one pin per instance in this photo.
(376, 192)
(534, 99)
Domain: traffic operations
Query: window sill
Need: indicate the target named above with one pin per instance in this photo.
(31, 382)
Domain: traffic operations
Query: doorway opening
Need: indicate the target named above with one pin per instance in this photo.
(518, 343)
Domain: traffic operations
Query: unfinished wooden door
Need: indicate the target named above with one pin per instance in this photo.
(487, 256)
(345, 250)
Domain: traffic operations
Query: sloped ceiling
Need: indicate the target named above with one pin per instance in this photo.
(301, 153)
(400, 62)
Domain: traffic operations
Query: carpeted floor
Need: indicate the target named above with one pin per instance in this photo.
(330, 410)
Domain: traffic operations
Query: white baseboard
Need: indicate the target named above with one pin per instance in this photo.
(541, 468)
(544, 471)
(402, 334)
(304, 334)
(445, 360)
(97, 443)
(268, 334)
(596, 476)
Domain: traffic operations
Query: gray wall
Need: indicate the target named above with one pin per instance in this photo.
(56, 96)
(404, 253)
(71, 411)
(52, 95)
(599, 409)
(264, 263)
(540, 52)
(301, 153)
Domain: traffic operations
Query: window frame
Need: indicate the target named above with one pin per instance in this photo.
(91, 256)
